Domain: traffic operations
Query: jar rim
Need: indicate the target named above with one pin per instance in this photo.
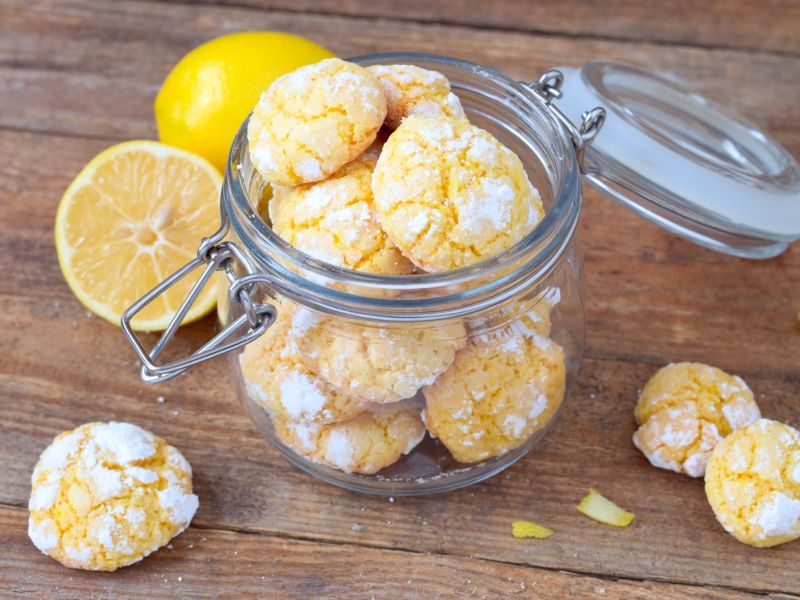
(535, 254)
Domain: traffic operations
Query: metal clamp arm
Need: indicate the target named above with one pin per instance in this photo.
(254, 321)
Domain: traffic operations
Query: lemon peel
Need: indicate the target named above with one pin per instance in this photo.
(599, 508)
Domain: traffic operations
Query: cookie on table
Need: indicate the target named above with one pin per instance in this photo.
(411, 90)
(366, 443)
(448, 194)
(753, 483)
(502, 388)
(334, 221)
(314, 120)
(683, 412)
(277, 378)
(105, 495)
(377, 364)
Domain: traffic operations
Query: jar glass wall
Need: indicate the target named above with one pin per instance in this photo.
(426, 382)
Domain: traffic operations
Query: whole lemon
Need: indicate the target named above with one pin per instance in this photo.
(208, 94)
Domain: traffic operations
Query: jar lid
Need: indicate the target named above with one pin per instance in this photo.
(680, 161)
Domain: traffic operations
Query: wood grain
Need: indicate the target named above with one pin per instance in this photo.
(259, 566)
(767, 25)
(69, 47)
(74, 77)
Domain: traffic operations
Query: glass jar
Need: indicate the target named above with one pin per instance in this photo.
(394, 345)
(423, 383)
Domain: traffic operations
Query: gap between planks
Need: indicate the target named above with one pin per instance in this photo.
(399, 550)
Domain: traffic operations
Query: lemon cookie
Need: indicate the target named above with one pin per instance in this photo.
(377, 364)
(449, 194)
(366, 443)
(106, 495)
(501, 389)
(410, 90)
(753, 483)
(685, 409)
(278, 379)
(533, 314)
(314, 120)
(334, 221)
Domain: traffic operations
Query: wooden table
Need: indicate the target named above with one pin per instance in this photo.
(78, 76)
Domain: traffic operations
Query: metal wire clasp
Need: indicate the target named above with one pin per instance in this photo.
(215, 255)
(548, 88)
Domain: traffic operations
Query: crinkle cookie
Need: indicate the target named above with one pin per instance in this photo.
(448, 194)
(376, 364)
(314, 120)
(278, 379)
(685, 409)
(105, 495)
(502, 388)
(366, 443)
(533, 314)
(753, 483)
(334, 221)
(410, 90)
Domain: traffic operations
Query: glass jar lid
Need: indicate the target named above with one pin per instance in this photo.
(680, 161)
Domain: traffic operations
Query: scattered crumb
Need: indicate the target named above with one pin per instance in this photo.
(391, 499)
(357, 527)
(180, 579)
(160, 399)
(175, 412)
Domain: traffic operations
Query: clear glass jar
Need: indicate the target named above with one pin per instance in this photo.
(489, 351)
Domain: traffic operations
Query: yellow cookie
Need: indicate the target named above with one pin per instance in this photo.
(334, 221)
(532, 313)
(502, 388)
(449, 194)
(366, 443)
(314, 120)
(685, 409)
(376, 364)
(753, 483)
(410, 90)
(278, 379)
(106, 495)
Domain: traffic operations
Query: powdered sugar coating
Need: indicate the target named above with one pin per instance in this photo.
(334, 220)
(379, 364)
(275, 369)
(95, 487)
(684, 410)
(410, 90)
(465, 195)
(502, 388)
(314, 120)
(750, 483)
(366, 443)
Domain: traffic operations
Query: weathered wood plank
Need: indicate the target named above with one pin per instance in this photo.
(84, 372)
(112, 58)
(768, 25)
(204, 563)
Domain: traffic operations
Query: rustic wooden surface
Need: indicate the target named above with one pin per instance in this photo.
(78, 76)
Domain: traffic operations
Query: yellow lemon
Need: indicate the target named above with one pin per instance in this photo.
(208, 94)
(135, 214)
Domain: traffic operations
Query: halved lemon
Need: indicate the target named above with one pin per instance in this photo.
(134, 215)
